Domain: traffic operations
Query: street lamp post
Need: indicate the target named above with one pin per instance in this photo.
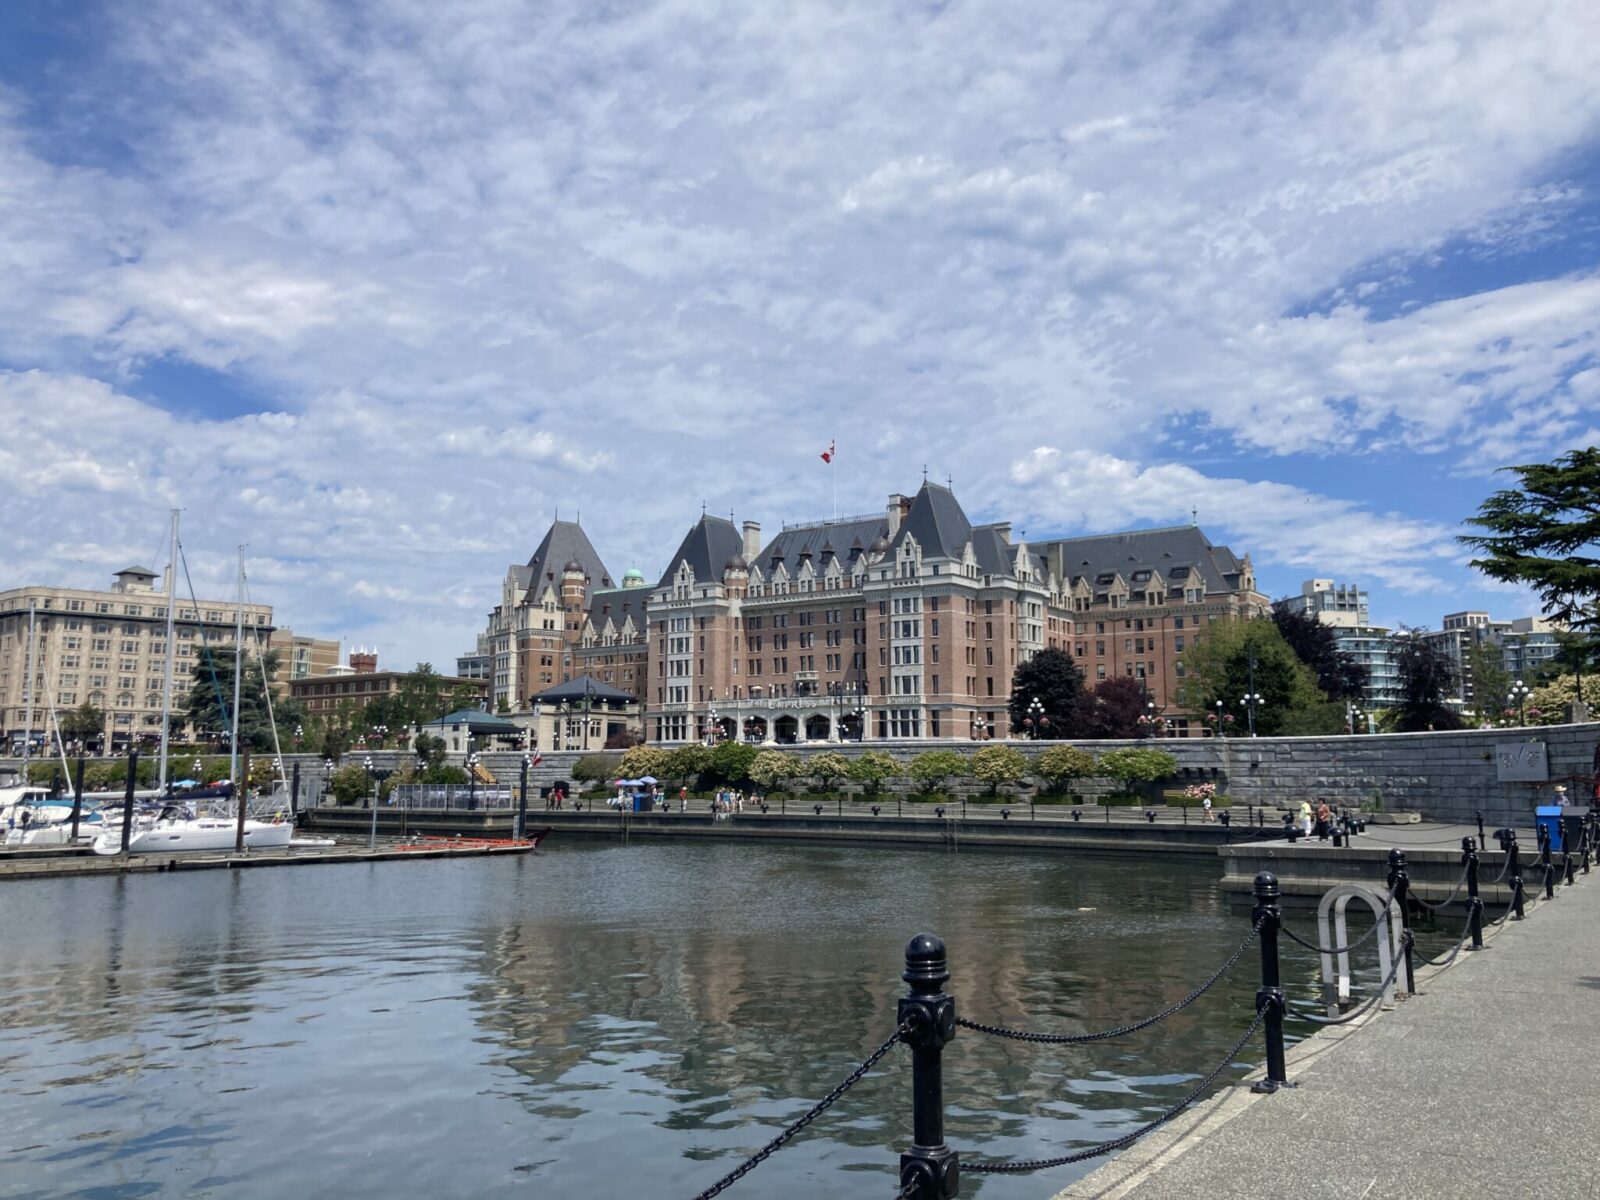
(1150, 719)
(327, 778)
(1520, 693)
(1035, 718)
(1355, 716)
(711, 726)
(1251, 701)
(472, 781)
(372, 835)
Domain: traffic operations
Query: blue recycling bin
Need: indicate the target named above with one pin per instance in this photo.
(1548, 818)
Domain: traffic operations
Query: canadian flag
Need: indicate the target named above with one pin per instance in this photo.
(827, 455)
(537, 758)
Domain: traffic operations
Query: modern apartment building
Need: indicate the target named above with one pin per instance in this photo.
(911, 623)
(301, 657)
(1341, 605)
(107, 648)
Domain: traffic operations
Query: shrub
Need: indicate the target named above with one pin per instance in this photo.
(596, 768)
(350, 784)
(639, 761)
(687, 762)
(1137, 764)
(1060, 765)
(772, 767)
(872, 768)
(995, 765)
(932, 769)
(826, 768)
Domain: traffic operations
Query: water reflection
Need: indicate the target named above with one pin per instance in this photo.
(599, 1021)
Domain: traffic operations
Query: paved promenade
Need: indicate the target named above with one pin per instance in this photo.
(1484, 1085)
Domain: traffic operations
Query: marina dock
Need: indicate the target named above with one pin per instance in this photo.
(56, 862)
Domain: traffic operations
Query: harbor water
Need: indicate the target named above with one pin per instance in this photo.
(596, 1021)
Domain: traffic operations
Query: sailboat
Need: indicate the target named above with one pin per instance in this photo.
(178, 827)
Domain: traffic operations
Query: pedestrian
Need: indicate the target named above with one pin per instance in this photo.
(1561, 795)
(1324, 819)
(1206, 807)
(683, 800)
(1305, 817)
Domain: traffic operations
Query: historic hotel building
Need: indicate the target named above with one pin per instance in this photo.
(910, 624)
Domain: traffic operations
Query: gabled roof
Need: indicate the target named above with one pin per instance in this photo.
(707, 547)
(136, 571)
(844, 537)
(564, 542)
(938, 523)
(584, 686)
(1178, 552)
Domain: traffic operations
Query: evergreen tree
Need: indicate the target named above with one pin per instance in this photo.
(1232, 659)
(209, 707)
(1545, 533)
(1054, 679)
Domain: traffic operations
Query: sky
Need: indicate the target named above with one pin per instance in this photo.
(379, 288)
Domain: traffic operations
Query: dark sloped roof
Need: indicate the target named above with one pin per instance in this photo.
(622, 602)
(1145, 549)
(582, 686)
(706, 548)
(136, 571)
(843, 536)
(937, 522)
(477, 721)
(565, 542)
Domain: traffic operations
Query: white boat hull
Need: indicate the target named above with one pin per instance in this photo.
(201, 833)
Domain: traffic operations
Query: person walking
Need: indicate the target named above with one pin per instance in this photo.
(1324, 819)
(1205, 806)
(1305, 817)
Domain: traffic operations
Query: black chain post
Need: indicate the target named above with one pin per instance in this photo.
(1482, 841)
(294, 792)
(1268, 918)
(1544, 861)
(1583, 845)
(1566, 865)
(1399, 887)
(930, 1170)
(1515, 869)
(1469, 857)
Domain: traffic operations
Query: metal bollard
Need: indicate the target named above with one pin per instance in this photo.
(930, 1170)
(1077, 814)
(1549, 867)
(1566, 868)
(1150, 815)
(1514, 871)
(1225, 817)
(1269, 998)
(1005, 814)
(1399, 887)
(1469, 858)
(1482, 842)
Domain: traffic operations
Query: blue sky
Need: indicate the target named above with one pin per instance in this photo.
(378, 287)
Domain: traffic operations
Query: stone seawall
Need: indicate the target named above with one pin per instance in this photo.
(1445, 776)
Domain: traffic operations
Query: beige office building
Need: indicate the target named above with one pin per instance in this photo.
(107, 648)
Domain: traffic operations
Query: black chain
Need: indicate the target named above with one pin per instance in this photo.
(1073, 1039)
(1445, 903)
(815, 1111)
(1376, 925)
(1346, 1018)
(1466, 932)
(1022, 1166)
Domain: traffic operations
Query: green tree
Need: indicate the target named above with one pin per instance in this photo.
(688, 763)
(84, 723)
(827, 768)
(1229, 657)
(1427, 678)
(1337, 672)
(730, 763)
(419, 697)
(1053, 678)
(429, 749)
(995, 765)
(769, 768)
(871, 768)
(1544, 533)
(210, 703)
(1491, 682)
(1135, 765)
(932, 769)
(350, 784)
(1060, 765)
(502, 706)
(464, 695)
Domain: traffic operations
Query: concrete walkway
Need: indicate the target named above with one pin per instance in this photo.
(1484, 1084)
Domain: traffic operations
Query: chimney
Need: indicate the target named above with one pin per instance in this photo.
(899, 506)
(363, 662)
(752, 539)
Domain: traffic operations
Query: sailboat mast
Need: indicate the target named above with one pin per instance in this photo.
(27, 692)
(166, 666)
(238, 679)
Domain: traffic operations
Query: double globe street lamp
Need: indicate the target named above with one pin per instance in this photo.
(1251, 701)
(1520, 693)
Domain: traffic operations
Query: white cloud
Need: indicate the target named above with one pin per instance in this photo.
(492, 259)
